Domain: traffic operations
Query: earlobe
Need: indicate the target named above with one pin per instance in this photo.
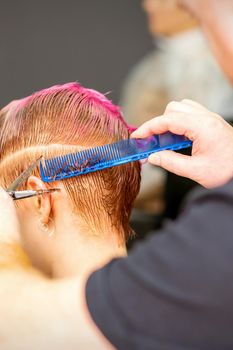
(42, 203)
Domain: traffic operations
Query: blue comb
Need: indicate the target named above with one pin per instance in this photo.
(102, 157)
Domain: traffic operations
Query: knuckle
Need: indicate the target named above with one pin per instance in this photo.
(172, 106)
(215, 122)
(186, 100)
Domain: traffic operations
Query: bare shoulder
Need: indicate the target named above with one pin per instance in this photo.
(40, 313)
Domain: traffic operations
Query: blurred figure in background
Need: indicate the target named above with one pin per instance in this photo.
(181, 66)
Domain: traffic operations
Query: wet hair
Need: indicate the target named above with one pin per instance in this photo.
(63, 119)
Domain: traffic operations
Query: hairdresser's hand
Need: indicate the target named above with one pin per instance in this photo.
(9, 225)
(211, 163)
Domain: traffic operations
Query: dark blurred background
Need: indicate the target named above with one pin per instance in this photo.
(46, 42)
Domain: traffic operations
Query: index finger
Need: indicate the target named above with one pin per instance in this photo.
(177, 123)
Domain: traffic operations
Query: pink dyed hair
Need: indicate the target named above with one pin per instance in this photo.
(71, 116)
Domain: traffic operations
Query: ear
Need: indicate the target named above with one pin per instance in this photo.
(43, 203)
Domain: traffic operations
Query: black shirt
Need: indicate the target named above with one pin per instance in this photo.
(175, 290)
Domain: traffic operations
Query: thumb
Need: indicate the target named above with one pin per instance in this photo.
(176, 163)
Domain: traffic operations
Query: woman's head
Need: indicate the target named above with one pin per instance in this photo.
(166, 18)
(61, 120)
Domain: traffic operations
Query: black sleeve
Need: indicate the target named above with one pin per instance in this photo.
(175, 290)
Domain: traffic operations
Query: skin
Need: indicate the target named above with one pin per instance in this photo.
(38, 311)
(166, 18)
(211, 163)
(45, 314)
(61, 237)
(216, 20)
(40, 308)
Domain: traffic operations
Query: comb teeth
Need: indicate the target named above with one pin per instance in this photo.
(102, 157)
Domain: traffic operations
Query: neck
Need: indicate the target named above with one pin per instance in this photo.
(82, 253)
(12, 255)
